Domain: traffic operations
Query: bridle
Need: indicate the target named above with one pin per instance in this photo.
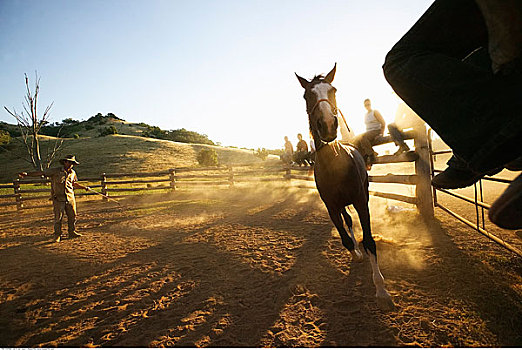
(334, 110)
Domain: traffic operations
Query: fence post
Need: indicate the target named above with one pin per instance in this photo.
(172, 174)
(104, 187)
(230, 176)
(423, 191)
(288, 173)
(18, 198)
(432, 164)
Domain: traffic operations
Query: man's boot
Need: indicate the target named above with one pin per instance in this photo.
(402, 149)
(459, 175)
(74, 234)
(506, 211)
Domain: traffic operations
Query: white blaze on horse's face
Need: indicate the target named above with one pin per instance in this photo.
(326, 119)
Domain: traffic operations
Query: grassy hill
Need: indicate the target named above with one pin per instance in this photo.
(101, 125)
(124, 153)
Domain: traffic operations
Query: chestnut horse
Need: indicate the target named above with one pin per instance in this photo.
(340, 174)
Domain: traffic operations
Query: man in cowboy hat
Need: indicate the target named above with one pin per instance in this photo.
(63, 182)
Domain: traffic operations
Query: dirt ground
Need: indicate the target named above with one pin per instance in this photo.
(250, 267)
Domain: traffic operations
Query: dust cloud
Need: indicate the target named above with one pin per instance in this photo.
(255, 265)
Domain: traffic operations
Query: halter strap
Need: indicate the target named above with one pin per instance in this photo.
(317, 104)
(321, 142)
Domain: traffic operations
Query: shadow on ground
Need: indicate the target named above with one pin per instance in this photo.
(245, 267)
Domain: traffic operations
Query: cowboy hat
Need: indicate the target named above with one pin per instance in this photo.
(69, 158)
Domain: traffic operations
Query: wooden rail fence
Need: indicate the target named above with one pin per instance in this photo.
(110, 184)
(120, 184)
(421, 179)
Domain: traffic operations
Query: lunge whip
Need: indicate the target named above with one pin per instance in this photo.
(101, 194)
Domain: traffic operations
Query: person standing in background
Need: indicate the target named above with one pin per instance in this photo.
(63, 182)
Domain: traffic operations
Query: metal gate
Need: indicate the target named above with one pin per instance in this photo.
(477, 201)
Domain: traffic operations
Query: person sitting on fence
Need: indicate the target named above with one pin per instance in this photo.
(63, 182)
(301, 155)
(288, 153)
(375, 125)
(311, 157)
(405, 118)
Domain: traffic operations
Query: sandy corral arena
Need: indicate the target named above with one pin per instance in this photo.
(250, 267)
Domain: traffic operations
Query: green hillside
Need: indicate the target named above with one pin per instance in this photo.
(109, 124)
(123, 153)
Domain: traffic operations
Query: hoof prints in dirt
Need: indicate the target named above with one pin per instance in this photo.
(240, 272)
(262, 248)
(301, 323)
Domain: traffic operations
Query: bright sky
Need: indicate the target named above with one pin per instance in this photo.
(224, 68)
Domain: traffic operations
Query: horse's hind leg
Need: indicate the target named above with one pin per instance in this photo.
(335, 215)
(357, 256)
(383, 297)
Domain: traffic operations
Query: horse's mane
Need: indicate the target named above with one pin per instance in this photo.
(317, 79)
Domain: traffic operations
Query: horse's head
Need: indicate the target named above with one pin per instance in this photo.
(321, 106)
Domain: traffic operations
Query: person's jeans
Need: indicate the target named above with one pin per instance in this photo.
(396, 134)
(364, 143)
(477, 113)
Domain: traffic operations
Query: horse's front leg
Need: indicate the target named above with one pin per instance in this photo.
(348, 220)
(383, 297)
(348, 243)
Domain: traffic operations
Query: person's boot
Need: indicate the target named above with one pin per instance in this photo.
(74, 234)
(459, 175)
(402, 149)
(57, 238)
(506, 211)
(368, 162)
(515, 165)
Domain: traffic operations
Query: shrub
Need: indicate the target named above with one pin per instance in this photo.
(113, 116)
(207, 157)
(187, 136)
(5, 137)
(70, 121)
(110, 130)
(154, 132)
(96, 118)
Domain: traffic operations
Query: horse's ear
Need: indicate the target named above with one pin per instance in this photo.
(330, 76)
(303, 81)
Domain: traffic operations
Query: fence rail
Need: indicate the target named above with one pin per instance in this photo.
(240, 173)
(167, 180)
(421, 179)
(479, 214)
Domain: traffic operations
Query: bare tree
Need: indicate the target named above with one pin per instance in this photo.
(30, 125)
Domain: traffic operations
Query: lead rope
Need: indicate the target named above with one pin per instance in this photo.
(347, 127)
(334, 148)
(344, 119)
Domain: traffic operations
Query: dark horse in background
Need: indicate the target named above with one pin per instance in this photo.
(340, 174)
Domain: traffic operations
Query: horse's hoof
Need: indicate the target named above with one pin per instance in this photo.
(356, 255)
(385, 302)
